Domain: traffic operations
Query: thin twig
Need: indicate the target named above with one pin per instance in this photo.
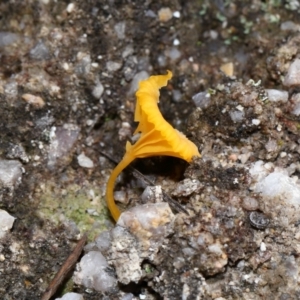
(65, 269)
(108, 157)
(177, 206)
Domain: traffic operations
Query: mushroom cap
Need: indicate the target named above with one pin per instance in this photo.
(158, 137)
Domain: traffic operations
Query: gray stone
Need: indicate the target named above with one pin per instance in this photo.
(40, 51)
(84, 161)
(10, 173)
(91, 272)
(6, 222)
(113, 66)
(8, 38)
(292, 77)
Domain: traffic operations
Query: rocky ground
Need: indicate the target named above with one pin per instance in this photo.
(68, 74)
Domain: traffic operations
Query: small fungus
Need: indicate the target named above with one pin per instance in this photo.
(157, 136)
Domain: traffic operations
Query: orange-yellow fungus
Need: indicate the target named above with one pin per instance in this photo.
(157, 136)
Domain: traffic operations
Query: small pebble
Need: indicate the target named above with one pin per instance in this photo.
(255, 122)
(40, 51)
(121, 196)
(127, 51)
(90, 122)
(296, 107)
(165, 14)
(237, 115)
(202, 99)
(176, 14)
(62, 141)
(66, 66)
(36, 101)
(85, 161)
(103, 241)
(263, 247)
(128, 296)
(98, 90)
(173, 54)
(71, 296)
(135, 81)
(289, 26)
(7, 38)
(152, 194)
(94, 277)
(240, 107)
(17, 151)
(271, 145)
(292, 77)
(205, 239)
(283, 154)
(296, 110)
(6, 222)
(113, 66)
(213, 34)
(250, 203)
(152, 218)
(176, 96)
(120, 30)
(70, 8)
(227, 69)
(10, 173)
(92, 212)
(150, 13)
(83, 66)
(176, 42)
(125, 130)
(11, 89)
(186, 187)
(162, 60)
(277, 95)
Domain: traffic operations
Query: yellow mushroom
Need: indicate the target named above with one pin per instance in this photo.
(157, 136)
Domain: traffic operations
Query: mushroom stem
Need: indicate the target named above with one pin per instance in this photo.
(114, 210)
